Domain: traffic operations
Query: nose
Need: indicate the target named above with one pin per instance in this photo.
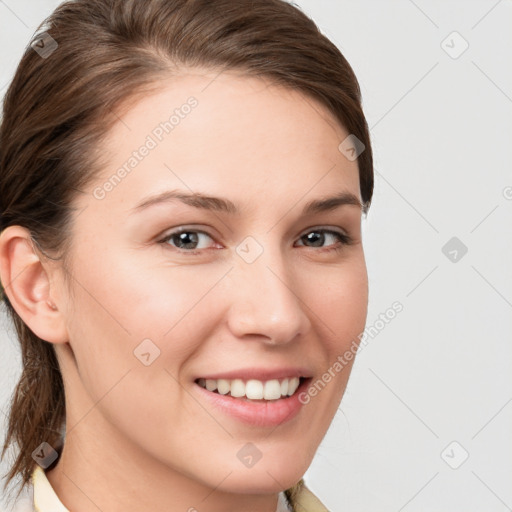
(265, 301)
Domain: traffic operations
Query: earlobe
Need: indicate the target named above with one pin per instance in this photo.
(26, 283)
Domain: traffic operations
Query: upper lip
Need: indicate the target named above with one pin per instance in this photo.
(262, 374)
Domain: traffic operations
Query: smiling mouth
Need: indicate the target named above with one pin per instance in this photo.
(252, 389)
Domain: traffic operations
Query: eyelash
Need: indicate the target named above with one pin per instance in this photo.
(343, 239)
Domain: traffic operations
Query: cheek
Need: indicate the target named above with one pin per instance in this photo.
(112, 314)
(341, 307)
(339, 298)
(129, 299)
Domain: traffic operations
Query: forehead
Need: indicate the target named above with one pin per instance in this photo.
(207, 131)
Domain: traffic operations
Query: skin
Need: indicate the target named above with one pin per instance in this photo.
(141, 437)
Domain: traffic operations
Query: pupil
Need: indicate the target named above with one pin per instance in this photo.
(187, 235)
(313, 235)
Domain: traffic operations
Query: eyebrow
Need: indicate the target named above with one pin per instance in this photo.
(219, 204)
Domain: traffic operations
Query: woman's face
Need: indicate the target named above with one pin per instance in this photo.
(253, 287)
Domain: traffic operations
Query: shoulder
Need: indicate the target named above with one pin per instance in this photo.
(45, 499)
(302, 499)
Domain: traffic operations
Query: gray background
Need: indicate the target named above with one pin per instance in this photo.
(433, 386)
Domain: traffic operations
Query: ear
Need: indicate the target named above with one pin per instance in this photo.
(26, 283)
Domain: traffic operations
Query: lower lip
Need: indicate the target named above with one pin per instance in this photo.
(268, 413)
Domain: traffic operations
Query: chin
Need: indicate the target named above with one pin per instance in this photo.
(264, 477)
(268, 483)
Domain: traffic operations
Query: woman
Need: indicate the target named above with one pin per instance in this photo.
(182, 185)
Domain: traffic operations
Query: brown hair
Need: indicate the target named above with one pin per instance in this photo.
(60, 106)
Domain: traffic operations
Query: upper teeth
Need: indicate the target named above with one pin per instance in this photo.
(253, 389)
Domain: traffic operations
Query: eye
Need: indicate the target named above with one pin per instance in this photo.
(186, 239)
(318, 237)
